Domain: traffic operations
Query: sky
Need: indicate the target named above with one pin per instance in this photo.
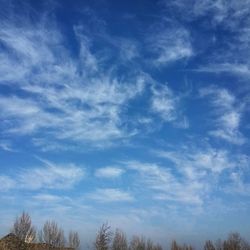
(134, 113)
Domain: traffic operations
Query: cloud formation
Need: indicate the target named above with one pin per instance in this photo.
(69, 98)
(165, 184)
(109, 172)
(111, 195)
(170, 44)
(227, 114)
(48, 176)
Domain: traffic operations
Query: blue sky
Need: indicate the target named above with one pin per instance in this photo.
(131, 112)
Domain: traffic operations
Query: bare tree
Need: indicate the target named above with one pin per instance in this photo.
(232, 243)
(245, 245)
(236, 242)
(74, 240)
(219, 245)
(23, 228)
(187, 247)
(151, 246)
(103, 237)
(175, 246)
(119, 241)
(157, 247)
(209, 245)
(137, 243)
(52, 234)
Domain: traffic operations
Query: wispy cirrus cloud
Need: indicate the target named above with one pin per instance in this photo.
(228, 13)
(51, 176)
(47, 198)
(190, 177)
(47, 176)
(228, 53)
(166, 185)
(169, 44)
(227, 114)
(164, 103)
(109, 172)
(238, 183)
(61, 93)
(216, 170)
(58, 98)
(241, 70)
(197, 163)
(110, 195)
(6, 146)
(7, 183)
(167, 105)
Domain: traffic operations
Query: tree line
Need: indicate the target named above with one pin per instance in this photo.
(50, 233)
(105, 239)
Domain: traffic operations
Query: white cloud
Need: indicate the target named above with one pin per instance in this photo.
(167, 105)
(229, 52)
(227, 113)
(182, 197)
(67, 99)
(170, 44)
(220, 97)
(25, 114)
(6, 146)
(193, 162)
(6, 183)
(50, 176)
(165, 185)
(64, 97)
(164, 103)
(219, 12)
(13, 106)
(238, 184)
(109, 172)
(110, 195)
(204, 171)
(230, 68)
(48, 198)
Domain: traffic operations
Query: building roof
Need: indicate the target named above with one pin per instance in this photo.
(12, 242)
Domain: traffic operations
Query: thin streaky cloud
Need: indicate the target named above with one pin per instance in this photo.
(170, 44)
(227, 114)
(166, 185)
(7, 183)
(110, 195)
(230, 68)
(109, 172)
(50, 177)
